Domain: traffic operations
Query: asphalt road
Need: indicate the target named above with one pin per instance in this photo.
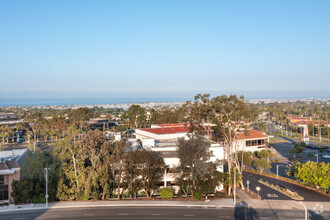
(268, 193)
(159, 213)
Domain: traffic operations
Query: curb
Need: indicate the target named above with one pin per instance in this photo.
(120, 205)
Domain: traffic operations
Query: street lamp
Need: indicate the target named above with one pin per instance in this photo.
(317, 158)
(277, 170)
(286, 129)
(46, 176)
(234, 186)
(306, 215)
(258, 189)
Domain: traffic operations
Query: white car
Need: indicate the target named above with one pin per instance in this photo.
(327, 156)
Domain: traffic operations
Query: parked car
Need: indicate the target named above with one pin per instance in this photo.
(312, 147)
(326, 156)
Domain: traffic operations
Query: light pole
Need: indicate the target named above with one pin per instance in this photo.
(286, 129)
(319, 132)
(258, 189)
(317, 158)
(277, 171)
(234, 186)
(46, 176)
(248, 184)
(306, 215)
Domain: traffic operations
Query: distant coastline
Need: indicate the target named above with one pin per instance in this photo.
(37, 102)
(61, 103)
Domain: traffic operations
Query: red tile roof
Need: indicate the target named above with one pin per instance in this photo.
(179, 125)
(252, 134)
(312, 122)
(170, 130)
(296, 117)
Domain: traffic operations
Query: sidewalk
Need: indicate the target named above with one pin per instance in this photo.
(219, 203)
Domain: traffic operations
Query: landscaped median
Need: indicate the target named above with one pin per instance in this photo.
(301, 184)
(287, 192)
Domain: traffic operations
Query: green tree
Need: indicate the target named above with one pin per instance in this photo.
(32, 187)
(120, 149)
(298, 148)
(262, 126)
(193, 154)
(312, 172)
(136, 116)
(34, 120)
(80, 116)
(150, 167)
(211, 180)
(229, 113)
(261, 164)
(245, 158)
(131, 180)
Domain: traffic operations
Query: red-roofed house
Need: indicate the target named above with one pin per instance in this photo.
(161, 133)
(252, 140)
(293, 119)
(316, 123)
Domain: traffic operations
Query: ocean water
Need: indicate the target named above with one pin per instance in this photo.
(82, 101)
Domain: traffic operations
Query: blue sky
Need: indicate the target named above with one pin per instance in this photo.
(164, 48)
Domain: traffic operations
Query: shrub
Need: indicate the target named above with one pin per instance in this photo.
(84, 198)
(39, 199)
(166, 193)
(218, 195)
(197, 194)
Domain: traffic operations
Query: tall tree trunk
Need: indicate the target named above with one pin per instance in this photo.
(118, 187)
(146, 191)
(75, 170)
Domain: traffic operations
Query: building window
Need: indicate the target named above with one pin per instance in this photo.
(3, 187)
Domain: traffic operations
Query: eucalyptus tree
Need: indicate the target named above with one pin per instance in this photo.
(80, 116)
(229, 113)
(119, 151)
(136, 116)
(150, 168)
(200, 114)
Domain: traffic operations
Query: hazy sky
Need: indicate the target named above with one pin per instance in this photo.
(150, 48)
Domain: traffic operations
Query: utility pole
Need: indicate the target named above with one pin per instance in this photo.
(326, 116)
(320, 137)
(286, 129)
(234, 186)
(306, 215)
(46, 176)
